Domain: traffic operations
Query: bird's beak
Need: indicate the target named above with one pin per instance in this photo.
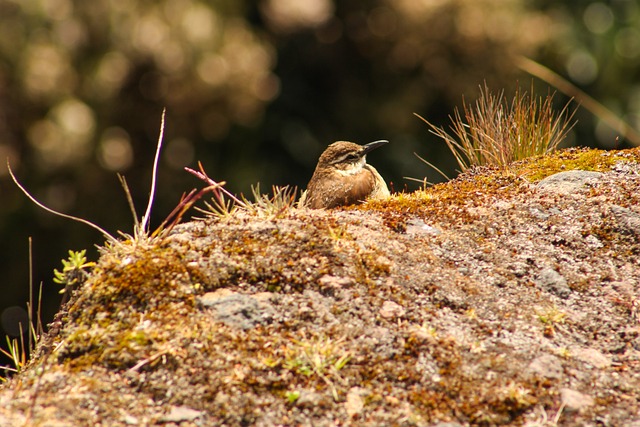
(372, 146)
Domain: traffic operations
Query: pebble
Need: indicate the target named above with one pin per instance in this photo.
(390, 310)
(552, 281)
(546, 366)
(591, 356)
(574, 401)
(179, 414)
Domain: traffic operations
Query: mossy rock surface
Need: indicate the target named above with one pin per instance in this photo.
(494, 299)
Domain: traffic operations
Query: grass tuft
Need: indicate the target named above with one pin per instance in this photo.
(224, 203)
(494, 132)
(322, 357)
(283, 199)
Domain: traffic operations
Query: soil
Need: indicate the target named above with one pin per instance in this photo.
(503, 297)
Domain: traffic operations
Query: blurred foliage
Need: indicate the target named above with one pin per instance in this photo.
(256, 90)
(601, 53)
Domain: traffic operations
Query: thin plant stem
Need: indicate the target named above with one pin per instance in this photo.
(147, 214)
(430, 165)
(596, 108)
(30, 306)
(71, 217)
(127, 192)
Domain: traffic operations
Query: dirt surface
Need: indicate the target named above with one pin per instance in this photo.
(494, 299)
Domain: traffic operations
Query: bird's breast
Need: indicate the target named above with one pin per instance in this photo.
(337, 188)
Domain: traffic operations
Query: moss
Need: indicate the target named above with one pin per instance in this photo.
(453, 202)
(108, 320)
(539, 167)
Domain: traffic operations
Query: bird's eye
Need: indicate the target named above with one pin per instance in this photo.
(352, 157)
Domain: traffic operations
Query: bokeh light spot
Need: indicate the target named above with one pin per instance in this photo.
(115, 152)
(291, 15)
(150, 33)
(13, 320)
(582, 67)
(75, 117)
(598, 18)
(199, 23)
(47, 71)
(111, 72)
(57, 9)
(627, 43)
(64, 137)
(213, 70)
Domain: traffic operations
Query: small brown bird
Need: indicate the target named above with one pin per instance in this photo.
(343, 177)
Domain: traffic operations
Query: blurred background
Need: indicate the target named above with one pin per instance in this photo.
(255, 90)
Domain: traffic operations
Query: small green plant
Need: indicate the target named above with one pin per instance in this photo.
(323, 357)
(517, 394)
(494, 132)
(292, 396)
(74, 271)
(16, 352)
(339, 232)
(551, 315)
(551, 318)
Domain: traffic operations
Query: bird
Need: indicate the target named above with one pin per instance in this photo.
(342, 177)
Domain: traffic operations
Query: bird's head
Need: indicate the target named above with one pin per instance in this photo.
(347, 157)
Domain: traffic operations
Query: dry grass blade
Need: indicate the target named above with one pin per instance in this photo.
(127, 192)
(586, 101)
(71, 217)
(224, 202)
(147, 215)
(186, 202)
(430, 165)
(264, 205)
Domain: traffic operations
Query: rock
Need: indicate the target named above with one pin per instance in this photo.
(355, 400)
(179, 414)
(328, 281)
(552, 281)
(418, 226)
(390, 310)
(131, 420)
(574, 400)
(627, 220)
(237, 310)
(570, 181)
(590, 356)
(312, 399)
(546, 366)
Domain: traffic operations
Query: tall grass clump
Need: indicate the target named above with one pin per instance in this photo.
(495, 132)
